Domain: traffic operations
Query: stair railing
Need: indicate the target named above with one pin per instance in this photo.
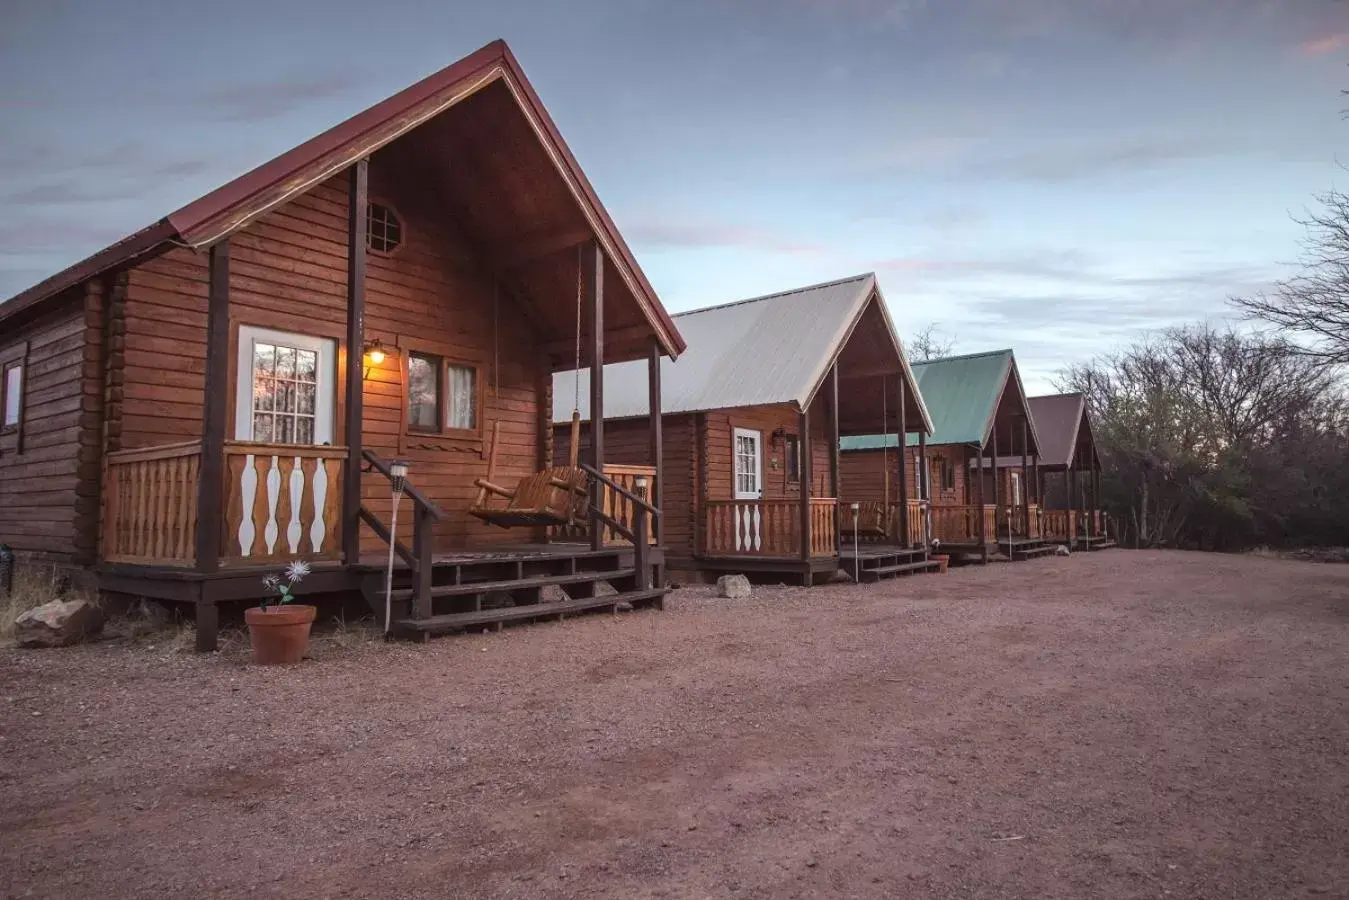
(637, 534)
(421, 558)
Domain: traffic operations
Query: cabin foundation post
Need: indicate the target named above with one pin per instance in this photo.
(211, 479)
(806, 469)
(207, 621)
(357, 197)
(592, 256)
(903, 473)
(831, 396)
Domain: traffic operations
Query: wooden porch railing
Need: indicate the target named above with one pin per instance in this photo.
(1025, 521)
(615, 505)
(960, 524)
(918, 513)
(150, 505)
(280, 502)
(1058, 524)
(767, 528)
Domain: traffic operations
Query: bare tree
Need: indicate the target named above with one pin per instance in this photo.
(1314, 305)
(929, 343)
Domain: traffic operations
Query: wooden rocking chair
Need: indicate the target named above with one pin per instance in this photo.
(872, 519)
(555, 496)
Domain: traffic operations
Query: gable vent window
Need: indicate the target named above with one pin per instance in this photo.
(383, 230)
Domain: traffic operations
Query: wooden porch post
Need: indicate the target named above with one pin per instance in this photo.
(593, 269)
(1096, 495)
(1025, 472)
(924, 476)
(807, 465)
(655, 428)
(979, 502)
(997, 487)
(831, 396)
(903, 470)
(357, 194)
(210, 483)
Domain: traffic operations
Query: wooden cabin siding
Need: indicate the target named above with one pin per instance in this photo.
(717, 442)
(49, 468)
(288, 272)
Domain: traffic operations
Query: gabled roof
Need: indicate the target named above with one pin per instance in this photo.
(962, 393)
(233, 206)
(772, 349)
(1058, 419)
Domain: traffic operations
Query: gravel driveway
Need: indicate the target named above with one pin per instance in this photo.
(1119, 724)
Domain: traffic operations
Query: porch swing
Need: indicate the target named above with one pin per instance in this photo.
(555, 496)
(873, 518)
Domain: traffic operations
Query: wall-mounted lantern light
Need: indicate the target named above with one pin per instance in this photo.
(373, 354)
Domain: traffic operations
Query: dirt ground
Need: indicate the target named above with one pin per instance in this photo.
(1119, 724)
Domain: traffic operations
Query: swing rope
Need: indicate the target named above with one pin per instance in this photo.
(576, 379)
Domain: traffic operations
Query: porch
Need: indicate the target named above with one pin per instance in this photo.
(1078, 529)
(797, 538)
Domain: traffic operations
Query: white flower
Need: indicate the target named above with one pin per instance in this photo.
(296, 571)
(271, 582)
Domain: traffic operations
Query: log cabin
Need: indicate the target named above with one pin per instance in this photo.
(979, 411)
(751, 419)
(345, 353)
(1070, 473)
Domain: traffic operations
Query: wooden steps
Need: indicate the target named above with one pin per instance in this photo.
(449, 622)
(1032, 552)
(878, 572)
(516, 584)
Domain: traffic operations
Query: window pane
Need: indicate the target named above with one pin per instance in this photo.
(307, 365)
(285, 430)
(305, 398)
(264, 392)
(262, 427)
(264, 358)
(304, 430)
(285, 362)
(423, 399)
(285, 397)
(463, 411)
(13, 394)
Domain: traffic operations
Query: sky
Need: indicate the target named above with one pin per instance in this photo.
(1058, 176)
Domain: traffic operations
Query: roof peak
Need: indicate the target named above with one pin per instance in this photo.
(1003, 352)
(773, 296)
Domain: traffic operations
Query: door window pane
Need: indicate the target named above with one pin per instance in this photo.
(423, 391)
(285, 391)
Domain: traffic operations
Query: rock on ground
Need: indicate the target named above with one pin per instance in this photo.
(733, 587)
(58, 623)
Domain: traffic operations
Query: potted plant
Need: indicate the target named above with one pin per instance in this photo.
(279, 627)
(941, 559)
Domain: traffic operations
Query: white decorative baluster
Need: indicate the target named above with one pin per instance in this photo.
(293, 530)
(319, 529)
(272, 531)
(737, 516)
(754, 532)
(248, 491)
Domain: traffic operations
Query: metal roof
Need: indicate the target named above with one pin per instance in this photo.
(962, 393)
(771, 349)
(234, 205)
(1057, 418)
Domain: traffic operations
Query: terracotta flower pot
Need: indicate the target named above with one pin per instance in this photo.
(280, 633)
(943, 561)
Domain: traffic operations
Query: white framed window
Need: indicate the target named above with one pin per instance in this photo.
(286, 387)
(1016, 488)
(748, 471)
(441, 396)
(11, 402)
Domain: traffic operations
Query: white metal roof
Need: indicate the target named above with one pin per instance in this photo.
(770, 349)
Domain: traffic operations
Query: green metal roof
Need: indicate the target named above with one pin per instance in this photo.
(961, 393)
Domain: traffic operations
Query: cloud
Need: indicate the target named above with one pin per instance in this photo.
(1320, 46)
(657, 235)
(1081, 160)
(264, 101)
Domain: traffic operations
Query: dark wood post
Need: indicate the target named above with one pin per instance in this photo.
(593, 271)
(1025, 473)
(996, 487)
(640, 549)
(903, 470)
(211, 475)
(925, 486)
(357, 195)
(831, 398)
(656, 429)
(979, 503)
(807, 465)
(1095, 496)
(424, 552)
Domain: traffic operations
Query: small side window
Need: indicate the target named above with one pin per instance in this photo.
(424, 392)
(793, 454)
(11, 405)
(384, 232)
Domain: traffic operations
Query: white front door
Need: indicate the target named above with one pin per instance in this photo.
(286, 392)
(1016, 489)
(748, 465)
